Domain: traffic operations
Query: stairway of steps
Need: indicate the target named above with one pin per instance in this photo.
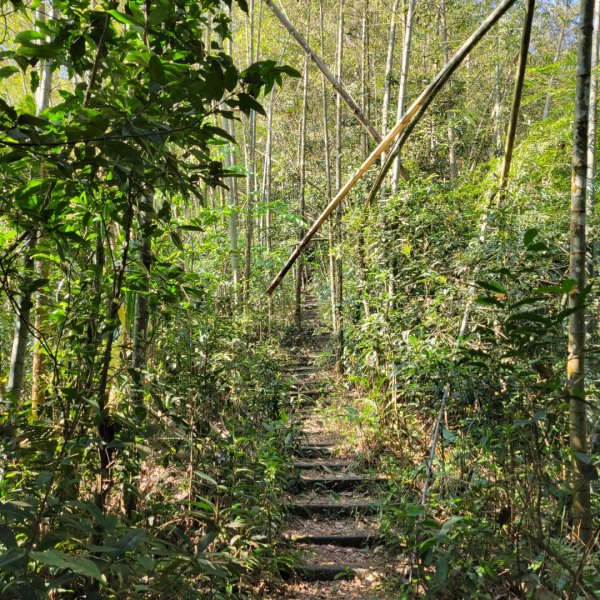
(334, 501)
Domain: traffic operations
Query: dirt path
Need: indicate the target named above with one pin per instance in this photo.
(333, 504)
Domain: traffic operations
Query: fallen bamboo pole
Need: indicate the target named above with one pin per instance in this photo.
(409, 120)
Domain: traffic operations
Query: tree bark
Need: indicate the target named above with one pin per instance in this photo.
(591, 202)
(452, 161)
(559, 44)
(497, 110)
(364, 73)
(23, 305)
(339, 280)
(24, 302)
(232, 182)
(302, 175)
(408, 29)
(517, 95)
(327, 159)
(389, 65)
(580, 480)
(251, 168)
(268, 191)
(591, 159)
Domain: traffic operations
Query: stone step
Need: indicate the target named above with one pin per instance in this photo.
(323, 443)
(300, 368)
(310, 387)
(338, 509)
(307, 392)
(324, 464)
(316, 451)
(328, 563)
(355, 540)
(329, 572)
(339, 483)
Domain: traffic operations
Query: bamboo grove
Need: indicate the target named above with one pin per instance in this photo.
(179, 176)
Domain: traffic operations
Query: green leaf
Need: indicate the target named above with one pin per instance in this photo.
(217, 131)
(159, 13)
(131, 540)
(248, 103)
(61, 560)
(583, 457)
(449, 437)
(29, 36)
(528, 315)
(12, 556)
(8, 71)
(7, 537)
(489, 301)
(449, 525)
(192, 228)
(414, 510)
(530, 235)
(441, 568)
(206, 541)
(537, 247)
(157, 72)
(289, 71)
(77, 49)
(45, 51)
(205, 477)
(176, 239)
(492, 286)
(564, 287)
(126, 19)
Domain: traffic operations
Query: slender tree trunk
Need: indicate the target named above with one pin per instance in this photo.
(591, 203)
(269, 192)
(140, 342)
(452, 161)
(269, 172)
(327, 159)
(24, 302)
(233, 220)
(251, 167)
(580, 480)
(591, 158)
(302, 175)
(23, 305)
(517, 95)
(408, 29)
(39, 366)
(559, 44)
(364, 74)
(389, 65)
(106, 424)
(232, 182)
(338, 183)
(141, 312)
(497, 110)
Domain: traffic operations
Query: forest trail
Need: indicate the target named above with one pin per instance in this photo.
(334, 499)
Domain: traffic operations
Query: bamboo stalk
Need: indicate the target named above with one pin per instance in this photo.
(407, 122)
(335, 82)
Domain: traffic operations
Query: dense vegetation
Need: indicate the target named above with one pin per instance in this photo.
(159, 161)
